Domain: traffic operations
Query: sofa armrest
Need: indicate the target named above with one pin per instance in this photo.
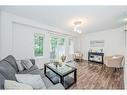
(33, 61)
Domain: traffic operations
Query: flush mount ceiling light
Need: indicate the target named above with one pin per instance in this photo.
(77, 27)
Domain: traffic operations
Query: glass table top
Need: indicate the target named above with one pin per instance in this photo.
(60, 69)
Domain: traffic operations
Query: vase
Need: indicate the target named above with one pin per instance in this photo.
(63, 58)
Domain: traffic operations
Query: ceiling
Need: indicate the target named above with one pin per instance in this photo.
(95, 18)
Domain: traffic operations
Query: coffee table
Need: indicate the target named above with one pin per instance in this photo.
(64, 74)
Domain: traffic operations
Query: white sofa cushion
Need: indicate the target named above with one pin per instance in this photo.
(34, 80)
(58, 86)
(13, 85)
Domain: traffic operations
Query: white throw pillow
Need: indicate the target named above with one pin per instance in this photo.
(34, 80)
(20, 66)
(26, 63)
(13, 85)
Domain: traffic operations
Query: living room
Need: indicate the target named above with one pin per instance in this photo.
(27, 33)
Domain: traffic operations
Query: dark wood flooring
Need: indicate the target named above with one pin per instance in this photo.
(94, 76)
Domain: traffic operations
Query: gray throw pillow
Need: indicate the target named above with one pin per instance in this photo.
(26, 63)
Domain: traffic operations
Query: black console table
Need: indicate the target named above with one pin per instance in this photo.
(96, 57)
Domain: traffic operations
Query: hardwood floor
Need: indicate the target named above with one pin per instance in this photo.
(94, 76)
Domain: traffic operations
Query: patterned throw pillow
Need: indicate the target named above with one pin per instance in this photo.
(20, 66)
(26, 63)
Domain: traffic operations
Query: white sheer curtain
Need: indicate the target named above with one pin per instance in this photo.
(57, 47)
(71, 46)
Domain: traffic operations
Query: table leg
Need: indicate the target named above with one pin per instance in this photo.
(62, 80)
(44, 69)
(75, 75)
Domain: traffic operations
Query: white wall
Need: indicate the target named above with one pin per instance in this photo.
(17, 37)
(125, 67)
(113, 41)
(0, 34)
(77, 43)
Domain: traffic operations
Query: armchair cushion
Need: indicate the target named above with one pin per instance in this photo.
(116, 61)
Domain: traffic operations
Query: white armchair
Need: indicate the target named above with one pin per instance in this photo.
(78, 56)
(69, 58)
(116, 61)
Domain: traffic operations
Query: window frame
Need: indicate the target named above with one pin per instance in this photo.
(42, 35)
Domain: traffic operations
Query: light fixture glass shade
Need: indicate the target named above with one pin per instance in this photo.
(79, 31)
(77, 27)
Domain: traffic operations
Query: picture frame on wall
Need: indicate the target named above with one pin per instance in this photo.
(97, 43)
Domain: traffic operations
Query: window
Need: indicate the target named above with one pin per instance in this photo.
(38, 44)
(71, 46)
(57, 48)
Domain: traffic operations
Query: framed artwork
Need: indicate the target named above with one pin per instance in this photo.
(97, 43)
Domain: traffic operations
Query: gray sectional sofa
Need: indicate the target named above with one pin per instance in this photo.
(8, 69)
